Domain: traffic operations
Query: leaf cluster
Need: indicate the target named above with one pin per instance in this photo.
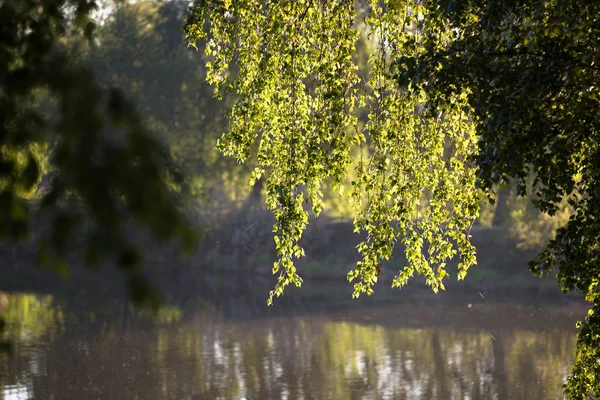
(291, 66)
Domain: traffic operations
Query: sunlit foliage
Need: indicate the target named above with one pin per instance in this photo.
(463, 95)
(298, 92)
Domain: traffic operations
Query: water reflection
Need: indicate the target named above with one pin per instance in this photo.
(396, 352)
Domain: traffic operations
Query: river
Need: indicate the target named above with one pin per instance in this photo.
(82, 348)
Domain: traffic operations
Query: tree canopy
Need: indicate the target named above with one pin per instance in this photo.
(462, 96)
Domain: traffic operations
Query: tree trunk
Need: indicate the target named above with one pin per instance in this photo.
(502, 212)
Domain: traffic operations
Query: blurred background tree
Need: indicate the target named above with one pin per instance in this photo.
(108, 168)
(139, 49)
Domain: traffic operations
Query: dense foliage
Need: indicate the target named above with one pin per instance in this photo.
(462, 96)
(106, 168)
(298, 92)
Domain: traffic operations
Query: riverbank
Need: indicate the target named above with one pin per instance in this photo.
(330, 247)
(244, 250)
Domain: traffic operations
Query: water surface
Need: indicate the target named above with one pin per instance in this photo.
(80, 349)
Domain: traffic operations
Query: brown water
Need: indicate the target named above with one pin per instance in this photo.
(66, 350)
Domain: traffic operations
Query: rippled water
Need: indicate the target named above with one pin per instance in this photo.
(64, 349)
